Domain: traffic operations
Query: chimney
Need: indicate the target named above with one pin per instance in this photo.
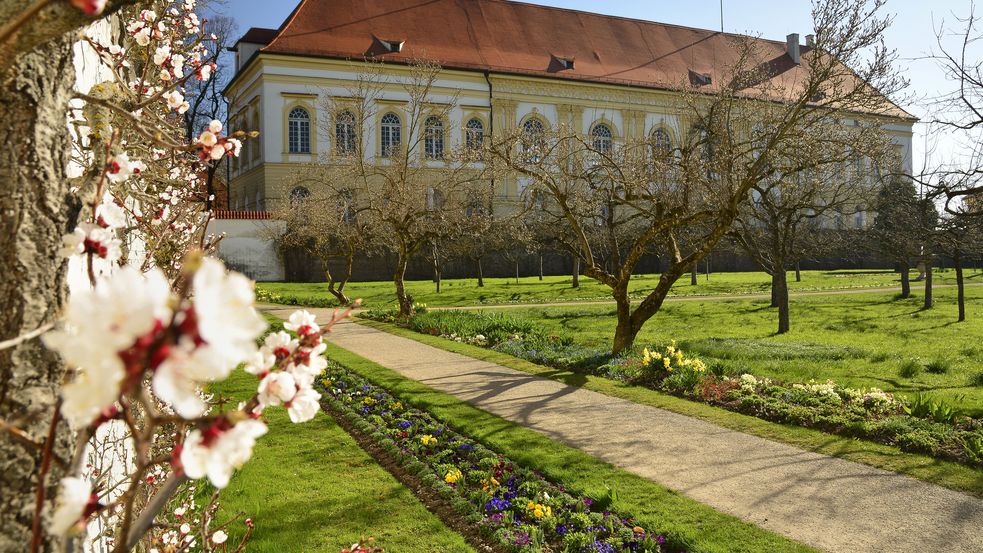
(792, 44)
(811, 41)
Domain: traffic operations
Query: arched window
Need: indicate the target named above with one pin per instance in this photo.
(345, 133)
(299, 194)
(474, 134)
(533, 140)
(661, 143)
(601, 138)
(391, 129)
(299, 131)
(433, 138)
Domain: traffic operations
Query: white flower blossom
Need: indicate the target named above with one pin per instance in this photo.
(73, 498)
(225, 453)
(304, 405)
(99, 324)
(277, 388)
(219, 537)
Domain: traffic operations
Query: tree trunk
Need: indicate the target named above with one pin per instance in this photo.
(928, 284)
(517, 271)
(576, 272)
(337, 287)
(905, 279)
(774, 289)
(960, 288)
(37, 210)
(481, 275)
(693, 275)
(798, 272)
(540, 267)
(626, 331)
(405, 301)
(780, 289)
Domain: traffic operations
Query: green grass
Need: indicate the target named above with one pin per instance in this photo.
(944, 473)
(461, 292)
(309, 487)
(705, 529)
(858, 340)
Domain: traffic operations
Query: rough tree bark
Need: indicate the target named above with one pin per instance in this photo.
(774, 290)
(798, 272)
(928, 285)
(780, 285)
(405, 302)
(36, 209)
(481, 275)
(693, 275)
(960, 287)
(905, 279)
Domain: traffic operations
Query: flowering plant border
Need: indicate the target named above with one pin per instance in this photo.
(870, 414)
(502, 504)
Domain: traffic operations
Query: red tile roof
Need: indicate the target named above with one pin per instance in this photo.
(502, 36)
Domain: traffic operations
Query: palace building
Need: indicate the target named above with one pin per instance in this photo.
(508, 64)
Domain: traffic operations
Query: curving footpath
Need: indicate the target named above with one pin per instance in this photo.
(828, 503)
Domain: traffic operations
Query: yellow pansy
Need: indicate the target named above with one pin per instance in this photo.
(427, 439)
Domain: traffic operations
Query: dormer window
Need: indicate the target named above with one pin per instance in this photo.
(564, 63)
(392, 46)
(700, 79)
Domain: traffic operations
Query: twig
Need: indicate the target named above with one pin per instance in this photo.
(146, 520)
(26, 337)
(42, 477)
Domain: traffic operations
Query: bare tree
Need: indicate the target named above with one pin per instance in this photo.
(640, 197)
(960, 238)
(419, 193)
(788, 217)
(327, 224)
(959, 181)
(899, 229)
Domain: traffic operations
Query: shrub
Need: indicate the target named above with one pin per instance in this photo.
(976, 379)
(918, 441)
(909, 368)
(939, 366)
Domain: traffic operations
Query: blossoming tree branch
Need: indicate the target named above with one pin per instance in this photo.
(106, 418)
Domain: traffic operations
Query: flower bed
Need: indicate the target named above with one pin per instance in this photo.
(511, 507)
(920, 425)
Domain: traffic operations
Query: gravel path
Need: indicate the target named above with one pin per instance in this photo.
(829, 503)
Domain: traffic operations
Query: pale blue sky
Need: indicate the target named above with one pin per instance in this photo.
(911, 35)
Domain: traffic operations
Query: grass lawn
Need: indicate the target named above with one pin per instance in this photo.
(460, 292)
(859, 340)
(702, 528)
(309, 487)
(944, 473)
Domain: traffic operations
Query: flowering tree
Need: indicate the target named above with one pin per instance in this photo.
(152, 320)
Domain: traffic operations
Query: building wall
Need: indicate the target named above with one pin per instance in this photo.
(272, 85)
(249, 247)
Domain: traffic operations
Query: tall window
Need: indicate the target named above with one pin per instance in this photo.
(345, 133)
(391, 128)
(433, 138)
(533, 140)
(661, 143)
(299, 131)
(474, 134)
(602, 138)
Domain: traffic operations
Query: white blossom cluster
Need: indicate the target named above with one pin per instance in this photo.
(132, 328)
